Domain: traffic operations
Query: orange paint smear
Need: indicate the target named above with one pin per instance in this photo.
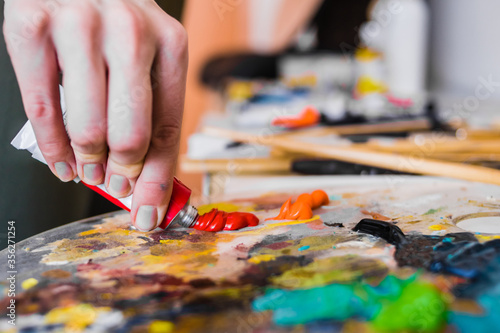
(375, 215)
(217, 220)
(308, 117)
(302, 208)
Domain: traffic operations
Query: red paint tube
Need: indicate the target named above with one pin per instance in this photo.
(179, 210)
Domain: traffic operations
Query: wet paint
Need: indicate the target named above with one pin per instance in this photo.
(388, 231)
(485, 322)
(437, 227)
(307, 117)
(424, 308)
(29, 283)
(161, 326)
(420, 308)
(216, 220)
(75, 317)
(302, 208)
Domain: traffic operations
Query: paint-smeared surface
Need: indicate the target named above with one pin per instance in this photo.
(99, 275)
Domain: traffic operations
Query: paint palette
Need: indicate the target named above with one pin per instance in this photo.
(307, 275)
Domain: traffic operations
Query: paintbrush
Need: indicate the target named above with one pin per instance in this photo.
(366, 156)
(306, 166)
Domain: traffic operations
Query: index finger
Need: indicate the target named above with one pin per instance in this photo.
(37, 72)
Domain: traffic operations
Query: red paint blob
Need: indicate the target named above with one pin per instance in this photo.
(216, 220)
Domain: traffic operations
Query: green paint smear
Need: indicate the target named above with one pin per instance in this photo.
(420, 308)
(434, 211)
(394, 305)
(330, 270)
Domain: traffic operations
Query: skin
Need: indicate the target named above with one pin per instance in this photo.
(123, 65)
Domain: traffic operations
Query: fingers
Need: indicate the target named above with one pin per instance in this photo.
(154, 186)
(35, 64)
(129, 52)
(124, 113)
(76, 34)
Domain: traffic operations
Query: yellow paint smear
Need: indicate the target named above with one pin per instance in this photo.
(153, 260)
(268, 225)
(88, 232)
(224, 206)
(161, 326)
(262, 258)
(437, 227)
(75, 317)
(487, 238)
(171, 241)
(29, 283)
(292, 222)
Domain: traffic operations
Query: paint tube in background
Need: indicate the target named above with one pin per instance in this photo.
(399, 30)
(179, 210)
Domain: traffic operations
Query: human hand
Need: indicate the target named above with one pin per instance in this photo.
(123, 65)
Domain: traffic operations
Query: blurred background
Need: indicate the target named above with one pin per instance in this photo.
(288, 64)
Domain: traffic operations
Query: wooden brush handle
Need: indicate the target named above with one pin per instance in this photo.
(411, 164)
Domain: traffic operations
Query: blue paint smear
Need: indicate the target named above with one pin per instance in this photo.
(487, 322)
(303, 248)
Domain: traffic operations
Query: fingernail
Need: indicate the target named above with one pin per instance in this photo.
(146, 218)
(119, 184)
(63, 171)
(93, 173)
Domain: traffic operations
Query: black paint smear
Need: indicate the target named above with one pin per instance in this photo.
(151, 301)
(338, 225)
(259, 274)
(464, 258)
(418, 250)
(458, 254)
(385, 230)
(211, 304)
(202, 283)
(480, 263)
(169, 234)
(269, 240)
(162, 279)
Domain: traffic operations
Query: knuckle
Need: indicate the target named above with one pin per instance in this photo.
(26, 18)
(134, 145)
(177, 41)
(39, 106)
(123, 16)
(166, 137)
(88, 141)
(128, 38)
(75, 18)
(53, 148)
